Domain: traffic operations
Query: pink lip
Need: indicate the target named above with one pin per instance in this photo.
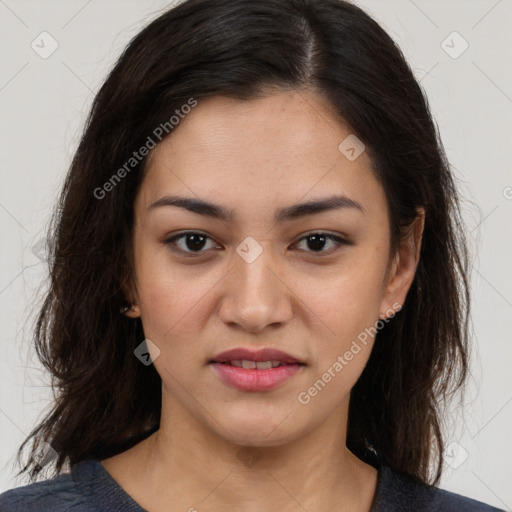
(247, 379)
(255, 380)
(264, 354)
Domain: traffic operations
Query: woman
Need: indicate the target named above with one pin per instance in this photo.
(259, 282)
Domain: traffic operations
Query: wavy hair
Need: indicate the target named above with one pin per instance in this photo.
(105, 401)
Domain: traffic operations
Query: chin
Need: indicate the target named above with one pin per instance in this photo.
(258, 437)
(258, 431)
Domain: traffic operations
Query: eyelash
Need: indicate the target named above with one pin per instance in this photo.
(340, 241)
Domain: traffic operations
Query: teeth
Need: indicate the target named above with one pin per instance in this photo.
(264, 365)
(253, 365)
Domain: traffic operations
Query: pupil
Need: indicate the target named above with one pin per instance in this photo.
(318, 242)
(195, 241)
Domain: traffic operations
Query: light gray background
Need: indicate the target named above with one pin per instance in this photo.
(44, 103)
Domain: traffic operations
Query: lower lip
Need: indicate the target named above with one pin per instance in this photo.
(255, 380)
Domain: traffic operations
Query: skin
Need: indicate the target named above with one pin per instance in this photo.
(255, 157)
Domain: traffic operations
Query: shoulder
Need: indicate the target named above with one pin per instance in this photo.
(58, 494)
(399, 493)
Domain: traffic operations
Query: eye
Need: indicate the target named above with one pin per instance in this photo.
(189, 243)
(317, 241)
(193, 242)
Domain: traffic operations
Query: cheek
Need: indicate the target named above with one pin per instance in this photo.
(346, 299)
(171, 302)
(172, 313)
(347, 304)
(168, 294)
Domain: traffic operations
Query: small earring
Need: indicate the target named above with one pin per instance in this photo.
(125, 309)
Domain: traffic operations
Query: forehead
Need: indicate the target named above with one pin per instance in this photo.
(281, 147)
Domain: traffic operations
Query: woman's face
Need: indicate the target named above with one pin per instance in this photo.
(258, 278)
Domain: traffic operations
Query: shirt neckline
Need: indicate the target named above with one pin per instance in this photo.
(105, 492)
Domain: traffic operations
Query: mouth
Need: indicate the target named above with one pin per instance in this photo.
(263, 359)
(249, 370)
(255, 365)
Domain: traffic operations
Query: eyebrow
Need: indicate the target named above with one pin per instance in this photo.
(288, 213)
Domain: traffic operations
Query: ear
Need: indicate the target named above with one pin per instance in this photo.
(132, 312)
(130, 291)
(403, 267)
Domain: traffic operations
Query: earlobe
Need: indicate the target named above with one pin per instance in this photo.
(391, 312)
(131, 311)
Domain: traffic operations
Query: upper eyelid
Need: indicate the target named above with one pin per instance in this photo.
(338, 238)
(305, 235)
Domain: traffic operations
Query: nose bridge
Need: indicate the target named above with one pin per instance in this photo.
(255, 281)
(255, 295)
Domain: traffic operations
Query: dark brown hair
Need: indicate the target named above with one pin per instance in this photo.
(106, 400)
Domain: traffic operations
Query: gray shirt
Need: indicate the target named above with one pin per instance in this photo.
(90, 488)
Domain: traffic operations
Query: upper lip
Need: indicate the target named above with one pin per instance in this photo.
(264, 354)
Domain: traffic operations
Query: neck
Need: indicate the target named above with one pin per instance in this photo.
(196, 469)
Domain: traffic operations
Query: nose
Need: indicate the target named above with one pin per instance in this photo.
(256, 295)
